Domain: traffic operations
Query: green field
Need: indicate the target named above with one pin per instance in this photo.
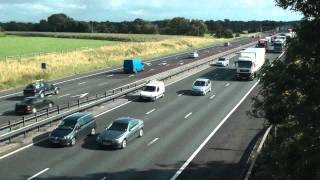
(28, 46)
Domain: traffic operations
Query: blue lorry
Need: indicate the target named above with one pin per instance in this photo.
(133, 65)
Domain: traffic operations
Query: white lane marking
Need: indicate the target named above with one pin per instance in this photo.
(188, 115)
(112, 109)
(148, 64)
(211, 134)
(10, 95)
(162, 64)
(50, 95)
(149, 112)
(131, 75)
(80, 95)
(41, 172)
(164, 61)
(102, 84)
(63, 96)
(181, 63)
(180, 94)
(82, 83)
(110, 75)
(104, 178)
(153, 141)
(151, 69)
(213, 96)
(226, 85)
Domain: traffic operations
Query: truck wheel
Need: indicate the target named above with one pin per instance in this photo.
(56, 92)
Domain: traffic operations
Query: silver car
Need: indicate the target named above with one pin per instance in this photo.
(120, 132)
(201, 86)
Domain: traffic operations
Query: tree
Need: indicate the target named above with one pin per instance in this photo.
(289, 99)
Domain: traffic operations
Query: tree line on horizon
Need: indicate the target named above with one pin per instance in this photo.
(175, 26)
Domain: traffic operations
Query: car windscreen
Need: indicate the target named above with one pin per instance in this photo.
(149, 88)
(68, 123)
(31, 86)
(116, 126)
(221, 59)
(244, 64)
(127, 63)
(200, 83)
(27, 101)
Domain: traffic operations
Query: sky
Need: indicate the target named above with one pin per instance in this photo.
(124, 10)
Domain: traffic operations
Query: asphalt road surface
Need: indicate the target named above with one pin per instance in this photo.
(175, 127)
(89, 86)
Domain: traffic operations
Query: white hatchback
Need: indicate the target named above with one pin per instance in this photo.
(201, 86)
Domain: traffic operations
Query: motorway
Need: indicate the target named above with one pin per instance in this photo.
(175, 127)
(90, 85)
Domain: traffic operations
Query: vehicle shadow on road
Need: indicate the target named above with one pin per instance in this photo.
(221, 74)
(90, 143)
(42, 141)
(185, 92)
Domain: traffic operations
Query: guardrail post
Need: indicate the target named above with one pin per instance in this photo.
(78, 102)
(87, 99)
(47, 112)
(68, 105)
(58, 107)
(10, 128)
(23, 121)
(113, 91)
(105, 94)
(121, 89)
(97, 95)
(35, 114)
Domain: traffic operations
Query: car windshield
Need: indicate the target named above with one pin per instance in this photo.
(149, 88)
(221, 59)
(116, 126)
(68, 123)
(199, 83)
(31, 86)
(244, 64)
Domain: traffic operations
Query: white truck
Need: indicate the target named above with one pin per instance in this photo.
(153, 90)
(249, 62)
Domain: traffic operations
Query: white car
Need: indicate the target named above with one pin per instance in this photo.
(153, 90)
(223, 61)
(201, 86)
(193, 54)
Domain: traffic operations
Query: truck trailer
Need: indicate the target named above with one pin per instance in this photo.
(249, 63)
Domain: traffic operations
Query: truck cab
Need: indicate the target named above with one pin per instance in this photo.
(278, 46)
(133, 65)
(153, 90)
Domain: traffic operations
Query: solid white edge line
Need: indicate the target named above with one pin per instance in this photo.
(8, 95)
(41, 172)
(213, 96)
(82, 83)
(153, 141)
(211, 134)
(149, 112)
(63, 96)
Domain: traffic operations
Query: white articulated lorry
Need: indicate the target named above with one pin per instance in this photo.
(249, 62)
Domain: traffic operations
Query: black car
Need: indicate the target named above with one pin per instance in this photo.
(32, 105)
(40, 88)
(72, 128)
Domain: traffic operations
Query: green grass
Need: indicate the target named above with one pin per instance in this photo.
(28, 46)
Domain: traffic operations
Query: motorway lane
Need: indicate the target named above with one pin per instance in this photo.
(178, 137)
(103, 82)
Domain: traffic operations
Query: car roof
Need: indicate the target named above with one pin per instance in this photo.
(153, 83)
(202, 79)
(78, 115)
(125, 120)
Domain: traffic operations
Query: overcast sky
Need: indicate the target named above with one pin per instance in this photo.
(120, 10)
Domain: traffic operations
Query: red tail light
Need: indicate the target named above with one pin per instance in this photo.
(28, 107)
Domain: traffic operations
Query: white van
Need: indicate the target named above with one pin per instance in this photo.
(153, 90)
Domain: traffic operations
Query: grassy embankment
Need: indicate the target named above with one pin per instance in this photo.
(97, 55)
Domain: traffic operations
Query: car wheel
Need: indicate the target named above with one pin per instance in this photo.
(50, 105)
(141, 133)
(93, 131)
(56, 92)
(42, 95)
(73, 141)
(162, 95)
(34, 110)
(154, 99)
(124, 144)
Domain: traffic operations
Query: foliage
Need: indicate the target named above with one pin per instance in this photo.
(226, 33)
(289, 99)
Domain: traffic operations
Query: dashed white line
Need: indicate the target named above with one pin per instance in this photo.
(110, 75)
(41, 172)
(180, 94)
(188, 115)
(153, 141)
(82, 83)
(104, 178)
(63, 96)
(151, 69)
(131, 75)
(149, 112)
(226, 85)
(181, 63)
(213, 96)
(102, 84)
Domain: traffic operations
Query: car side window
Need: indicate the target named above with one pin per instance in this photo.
(158, 89)
(132, 125)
